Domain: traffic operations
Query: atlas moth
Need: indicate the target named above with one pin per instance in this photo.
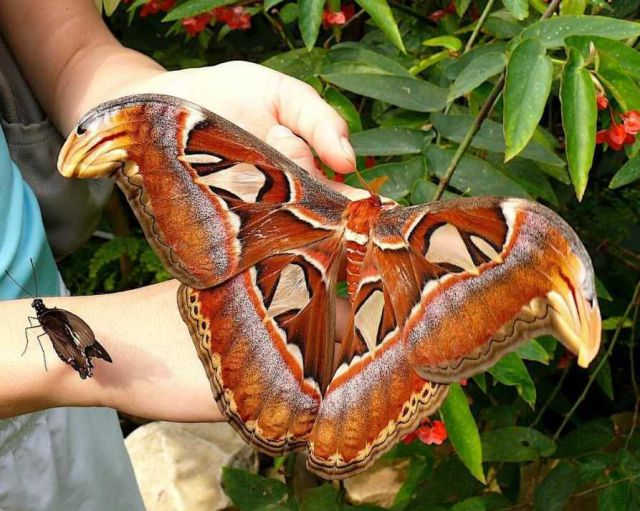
(438, 292)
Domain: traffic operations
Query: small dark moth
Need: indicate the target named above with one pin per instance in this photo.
(71, 337)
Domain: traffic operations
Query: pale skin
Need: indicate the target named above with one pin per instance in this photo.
(155, 371)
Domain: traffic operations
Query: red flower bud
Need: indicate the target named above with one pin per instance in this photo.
(196, 24)
(437, 15)
(602, 101)
(236, 18)
(156, 6)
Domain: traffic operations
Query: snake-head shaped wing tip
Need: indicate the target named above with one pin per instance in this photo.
(100, 144)
(535, 279)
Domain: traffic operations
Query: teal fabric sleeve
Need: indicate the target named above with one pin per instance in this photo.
(22, 236)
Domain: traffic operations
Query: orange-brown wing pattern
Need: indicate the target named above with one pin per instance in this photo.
(437, 292)
(375, 396)
(497, 272)
(212, 199)
(265, 338)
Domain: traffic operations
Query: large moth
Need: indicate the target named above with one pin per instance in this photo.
(438, 292)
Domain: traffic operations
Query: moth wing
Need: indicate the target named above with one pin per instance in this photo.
(212, 199)
(375, 396)
(492, 273)
(265, 338)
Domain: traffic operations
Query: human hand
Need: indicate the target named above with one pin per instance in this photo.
(278, 109)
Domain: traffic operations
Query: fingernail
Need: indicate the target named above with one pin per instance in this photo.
(280, 131)
(348, 151)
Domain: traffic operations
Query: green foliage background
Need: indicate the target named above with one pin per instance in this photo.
(535, 431)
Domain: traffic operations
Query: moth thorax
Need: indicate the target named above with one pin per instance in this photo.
(361, 216)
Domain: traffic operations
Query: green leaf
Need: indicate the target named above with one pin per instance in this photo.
(462, 430)
(417, 468)
(409, 93)
(603, 378)
(345, 108)
(519, 9)
(623, 88)
(300, 64)
(382, 16)
(491, 502)
(532, 350)
(193, 8)
(591, 436)
(529, 77)
(321, 498)
(572, 7)
(501, 25)
(445, 41)
(610, 53)
(289, 13)
(473, 175)
(400, 177)
(579, 117)
(476, 73)
(389, 141)
(529, 175)
(602, 291)
(423, 191)
(515, 444)
(358, 53)
(490, 137)
(251, 492)
(510, 370)
(627, 174)
(462, 6)
(455, 67)
(270, 4)
(554, 492)
(309, 20)
(614, 322)
(553, 31)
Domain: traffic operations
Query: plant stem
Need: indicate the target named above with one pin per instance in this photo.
(477, 123)
(551, 398)
(468, 138)
(592, 377)
(634, 382)
(478, 26)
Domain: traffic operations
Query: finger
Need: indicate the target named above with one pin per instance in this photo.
(301, 108)
(348, 191)
(281, 138)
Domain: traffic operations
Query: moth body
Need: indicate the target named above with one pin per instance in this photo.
(360, 218)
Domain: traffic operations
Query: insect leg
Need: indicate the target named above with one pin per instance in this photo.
(26, 336)
(44, 357)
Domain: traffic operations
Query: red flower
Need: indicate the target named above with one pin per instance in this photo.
(196, 24)
(631, 122)
(338, 18)
(602, 101)
(438, 15)
(428, 433)
(464, 382)
(369, 162)
(236, 18)
(619, 135)
(156, 6)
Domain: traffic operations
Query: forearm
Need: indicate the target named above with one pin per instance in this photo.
(69, 57)
(155, 371)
